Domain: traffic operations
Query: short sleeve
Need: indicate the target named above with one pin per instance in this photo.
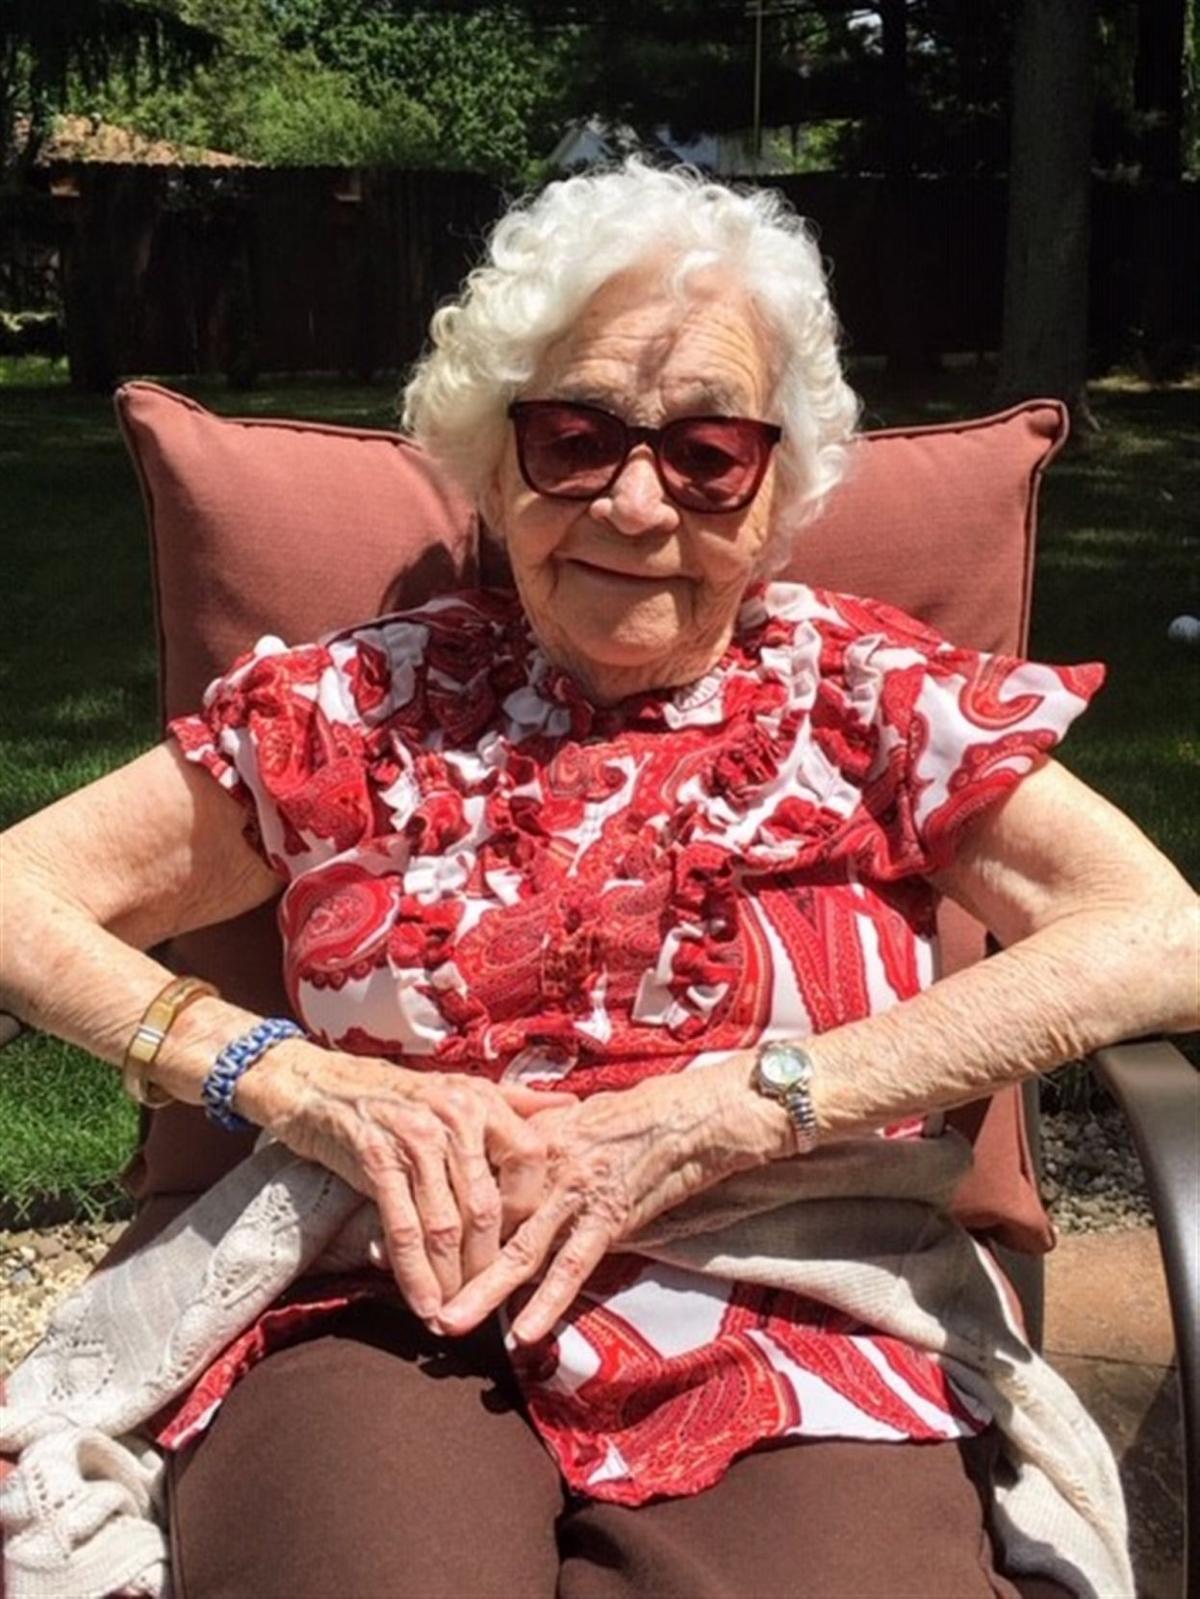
(298, 736)
(956, 729)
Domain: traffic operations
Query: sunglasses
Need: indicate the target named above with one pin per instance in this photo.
(577, 452)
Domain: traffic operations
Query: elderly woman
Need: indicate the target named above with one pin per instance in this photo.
(596, 894)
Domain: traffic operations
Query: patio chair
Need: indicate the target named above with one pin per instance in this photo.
(282, 527)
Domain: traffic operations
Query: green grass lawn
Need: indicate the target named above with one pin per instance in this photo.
(1117, 561)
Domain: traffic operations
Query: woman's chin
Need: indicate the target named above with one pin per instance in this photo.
(618, 635)
(638, 636)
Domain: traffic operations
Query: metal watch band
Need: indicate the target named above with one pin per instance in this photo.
(796, 1097)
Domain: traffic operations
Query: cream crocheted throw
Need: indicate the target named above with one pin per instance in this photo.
(858, 1225)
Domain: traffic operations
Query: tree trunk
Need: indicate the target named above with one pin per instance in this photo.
(1158, 86)
(1158, 96)
(905, 354)
(1044, 343)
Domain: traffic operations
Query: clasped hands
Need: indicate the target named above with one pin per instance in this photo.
(482, 1187)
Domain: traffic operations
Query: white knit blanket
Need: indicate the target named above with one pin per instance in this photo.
(858, 1225)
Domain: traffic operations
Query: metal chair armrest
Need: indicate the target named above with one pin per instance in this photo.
(1159, 1092)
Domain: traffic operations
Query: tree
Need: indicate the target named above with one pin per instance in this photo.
(904, 353)
(47, 50)
(1044, 342)
(1158, 85)
(1147, 88)
(256, 99)
(490, 82)
(954, 74)
(361, 82)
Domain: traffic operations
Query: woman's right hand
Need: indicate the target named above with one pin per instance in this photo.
(449, 1160)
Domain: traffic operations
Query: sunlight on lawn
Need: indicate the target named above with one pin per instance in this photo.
(33, 371)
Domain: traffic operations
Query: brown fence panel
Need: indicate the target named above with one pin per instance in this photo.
(953, 285)
(296, 270)
(324, 270)
(346, 266)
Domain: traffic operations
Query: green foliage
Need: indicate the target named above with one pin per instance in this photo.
(818, 149)
(1191, 95)
(33, 371)
(328, 123)
(958, 70)
(492, 84)
(689, 64)
(353, 82)
(31, 333)
(47, 52)
(1121, 127)
(287, 110)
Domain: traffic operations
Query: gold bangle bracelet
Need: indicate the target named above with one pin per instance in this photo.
(147, 1040)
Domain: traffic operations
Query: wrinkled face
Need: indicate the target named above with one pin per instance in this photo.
(629, 591)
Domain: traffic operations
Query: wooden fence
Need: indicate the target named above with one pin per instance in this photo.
(174, 271)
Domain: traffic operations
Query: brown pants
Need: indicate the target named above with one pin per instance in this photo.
(377, 1462)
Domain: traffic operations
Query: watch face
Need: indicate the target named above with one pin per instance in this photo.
(781, 1068)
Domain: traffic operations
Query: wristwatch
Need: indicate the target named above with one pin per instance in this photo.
(784, 1072)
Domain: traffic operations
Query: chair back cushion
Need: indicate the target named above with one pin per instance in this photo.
(275, 526)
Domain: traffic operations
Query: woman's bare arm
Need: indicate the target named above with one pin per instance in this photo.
(93, 881)
(155, 849)
(1100, 943)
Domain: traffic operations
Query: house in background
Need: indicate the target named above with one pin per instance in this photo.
(89, 138)
(594, 141)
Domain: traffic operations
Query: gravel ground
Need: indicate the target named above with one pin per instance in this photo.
(37, 1267)
(1091, 1177)
(1092, 1182)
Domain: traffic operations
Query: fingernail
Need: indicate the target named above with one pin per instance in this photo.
(426, 1309)
(375, 1253)
(511, 1342)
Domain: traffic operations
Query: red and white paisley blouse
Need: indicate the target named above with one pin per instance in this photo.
(486, 872)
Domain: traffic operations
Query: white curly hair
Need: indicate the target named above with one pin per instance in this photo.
(549, 255)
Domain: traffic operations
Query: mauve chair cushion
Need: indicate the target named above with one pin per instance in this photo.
(277, 526)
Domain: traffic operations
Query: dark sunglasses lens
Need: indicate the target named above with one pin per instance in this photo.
(567, 451)
(714, 463)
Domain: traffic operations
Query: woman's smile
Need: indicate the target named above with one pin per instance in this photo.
(601, 570)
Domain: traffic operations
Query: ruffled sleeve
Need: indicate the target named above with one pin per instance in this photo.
(303, 737)
(950, 731)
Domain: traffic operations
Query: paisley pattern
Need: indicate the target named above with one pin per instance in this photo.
(487, 872)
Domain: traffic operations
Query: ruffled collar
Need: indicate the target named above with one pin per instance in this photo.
(772, 772)
(513, 788)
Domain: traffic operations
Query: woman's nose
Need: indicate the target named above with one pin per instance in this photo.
(637, 502)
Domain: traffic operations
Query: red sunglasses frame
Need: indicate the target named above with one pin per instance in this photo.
(767, 434)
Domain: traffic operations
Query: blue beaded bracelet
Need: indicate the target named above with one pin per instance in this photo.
(236, 1058)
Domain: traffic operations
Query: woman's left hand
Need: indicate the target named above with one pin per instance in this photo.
(615, 1161)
